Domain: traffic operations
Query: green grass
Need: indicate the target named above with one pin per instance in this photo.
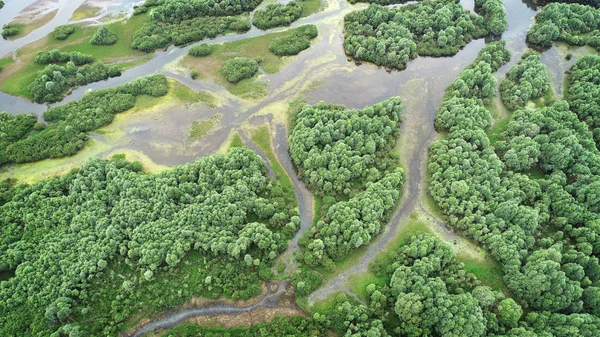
(310, 7)
(201, 128)
(318, 204)
(488, 271)
(496, 131)
(236, 141)
(84, 12)
(4, 62)
(261, 137)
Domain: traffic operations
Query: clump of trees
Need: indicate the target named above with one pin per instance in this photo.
(56, 56)
(574, 24)
(525, 81)
(345, 155)
(71, 235)
(277, 15)
(28, 141)
(10, 29)
(583, 98)
(62, 32)
(239, 68)
(391, 37)
(294, 43)
(425, 292)
(104, 37)
(202, 50)
(181, 22)
(56, 81)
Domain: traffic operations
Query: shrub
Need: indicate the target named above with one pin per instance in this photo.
(104, 37)
(277, 15)
(10, 30)
(239, 68)
(63, 32)
(202, 50)
(295, 43)
(194, 74)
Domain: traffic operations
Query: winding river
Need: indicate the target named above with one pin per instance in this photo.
(323, 72)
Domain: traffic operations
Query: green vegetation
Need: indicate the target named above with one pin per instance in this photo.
(33, 142)
(583, 96)
(525, 81)
(202, 50)
(294, 43)
(104, 37)
(277, 15)
(199, 129)
(104, 240)
(11, 29)
(261, 136)
(56, 81)
(182, 22)
(56, 56)
(22, 74)
(239, 68)
(574, 24)
(344, 157)
(63, 32)
(390, 37)
(540, 230)
(295, 326)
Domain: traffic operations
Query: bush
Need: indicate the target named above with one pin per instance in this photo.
(294, 43)
(202, 50)
(63, 32)
(239, 68)
(10, 30)
(56, 56)
(104, 37)
(525, 81)
(54, 82)
(277, 15)
(194, 74)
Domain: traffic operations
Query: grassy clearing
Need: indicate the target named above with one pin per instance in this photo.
(487, 270)
(310, 7)
(236, 141)
(256, 47)
(496, 131)
(328, 304)
(189, 96)
(4, 62)
(17, 77)
(84, 11)
(261, 137)
(201, 128)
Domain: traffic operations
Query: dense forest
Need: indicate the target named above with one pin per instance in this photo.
(68, 237)
(574, 24)
(344, 157)
(391, 37)
(525, 81)
(28, 141)
(181, 22)
(583, 98)
(540, 229)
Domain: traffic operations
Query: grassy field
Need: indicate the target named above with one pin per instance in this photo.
(488, 271)
(256, 47)
(16, 77)
(261, 137)
(201, 128)
(84, 11)
(310, 7)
